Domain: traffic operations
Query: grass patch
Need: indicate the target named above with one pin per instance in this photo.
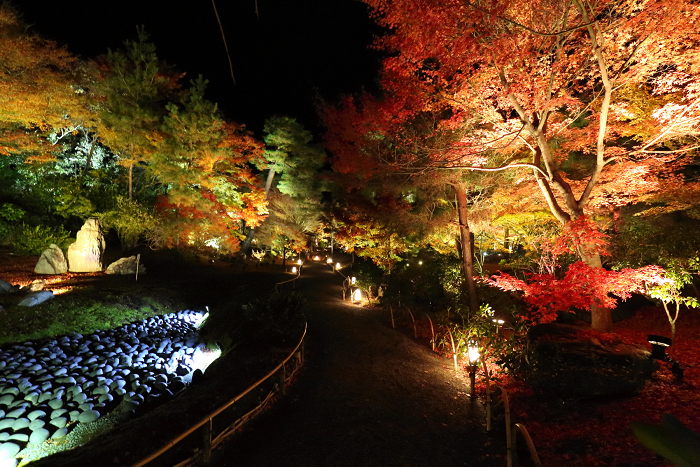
(84, 313)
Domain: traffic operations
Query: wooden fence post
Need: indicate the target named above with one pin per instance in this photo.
(206, 449)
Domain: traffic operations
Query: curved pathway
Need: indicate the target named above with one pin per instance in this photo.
(368, 396)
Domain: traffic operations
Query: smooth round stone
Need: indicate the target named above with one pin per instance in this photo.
(36, 367)
(117, 383)
(32, 397)
(58, 413)
(100, 390)
(4, 436)
(74, 414)
(60, 372)
(16, 413)
(105, 398)
(36, 424)
(89, 416)
(19, 404)
(20, 423)
(7, 399)
(86, 407)
(60, 433)
(8, 450)
(66, 380)
(45, 386)
(36, 414)
(74, 390)
(59, 422)
(44, 378)
(6, 423)
(56, 403)
(21, 437)
(39, 436)
(13, 391)
(119, 391)
(80, 398)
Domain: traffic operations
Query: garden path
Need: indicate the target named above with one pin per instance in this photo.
(367, 396)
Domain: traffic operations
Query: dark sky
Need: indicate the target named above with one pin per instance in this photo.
(295, 50)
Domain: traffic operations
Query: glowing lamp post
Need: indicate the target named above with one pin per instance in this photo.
(337, 265)
(473, 362)
(300, 262)
(329, 260)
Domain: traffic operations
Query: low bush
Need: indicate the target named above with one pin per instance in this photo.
(276, 321)
(34, 240)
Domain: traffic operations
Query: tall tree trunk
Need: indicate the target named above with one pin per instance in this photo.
(131, 180)
(601, 316)
(88, 162)
(467, 252)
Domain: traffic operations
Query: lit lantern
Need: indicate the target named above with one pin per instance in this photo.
(329, 260)
(473, 357)
(294, 270)
(353, 280)
(300, 262)
(337, 265)
(473, 352)
(316, 258)
(357, 295)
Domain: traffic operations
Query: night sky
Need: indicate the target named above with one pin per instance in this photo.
(295, 51)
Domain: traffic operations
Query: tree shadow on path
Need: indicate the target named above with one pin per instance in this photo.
(367, 396)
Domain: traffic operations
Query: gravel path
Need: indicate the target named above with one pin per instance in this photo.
(368, 396)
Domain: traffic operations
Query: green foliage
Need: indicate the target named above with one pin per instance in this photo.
(34, 240)
(276, 321)
(677, 275)
(9, 214)
(72, 202)
(504, 343)
(368, 277)
(672, 440)
(130, 220)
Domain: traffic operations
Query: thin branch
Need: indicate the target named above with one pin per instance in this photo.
(483, 169)
(522, 26)
(221, 28)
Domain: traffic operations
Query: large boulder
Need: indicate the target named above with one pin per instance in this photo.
(567, 361)
(51, 261)
(125, 266)
(85, 255)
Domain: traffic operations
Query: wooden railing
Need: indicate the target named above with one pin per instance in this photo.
(293, 281)
(281, 374)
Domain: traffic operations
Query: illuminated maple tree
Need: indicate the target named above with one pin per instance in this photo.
(599, 99)
(37, 89)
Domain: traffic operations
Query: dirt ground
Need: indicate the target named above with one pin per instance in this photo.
(368, 396)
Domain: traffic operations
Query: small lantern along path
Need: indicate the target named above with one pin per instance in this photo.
(368, 395)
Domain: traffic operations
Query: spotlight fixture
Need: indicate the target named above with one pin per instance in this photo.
(658, 352)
